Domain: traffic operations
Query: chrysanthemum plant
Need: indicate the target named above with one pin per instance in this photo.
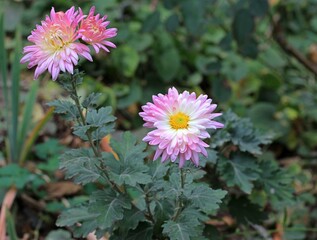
(137, 197)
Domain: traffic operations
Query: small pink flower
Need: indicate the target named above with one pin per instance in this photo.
(93, 30)
(181, 121)
(55, 48)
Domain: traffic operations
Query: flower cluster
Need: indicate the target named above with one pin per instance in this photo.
(64, 36)
(181, 121)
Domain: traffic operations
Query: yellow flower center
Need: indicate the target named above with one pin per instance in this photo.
(55, 39)
(179, 120)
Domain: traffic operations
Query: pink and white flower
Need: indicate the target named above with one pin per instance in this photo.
(180, 122)
(55, 48)
(93, 30)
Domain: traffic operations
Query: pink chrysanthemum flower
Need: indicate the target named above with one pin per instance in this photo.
(93, 30)
(54, 46)
(181, 121)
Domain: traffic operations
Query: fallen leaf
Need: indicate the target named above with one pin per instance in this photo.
(61, 189)
(105, 146)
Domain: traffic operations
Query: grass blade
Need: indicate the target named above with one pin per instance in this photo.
(3, 56)
(33, 135)
(15, 96)
(11, 226)
(27, 115)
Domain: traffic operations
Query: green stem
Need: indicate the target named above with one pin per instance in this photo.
(150, 215)
(95, 149)
(179, 204)
(82, 117)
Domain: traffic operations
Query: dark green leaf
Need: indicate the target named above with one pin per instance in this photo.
(98, 122)
(241, 132)
(91, 101)
(144, 231)
(168, 64)
(130, 168)
(221, 90)
(243, 26)
(276, 183)
(259, 7)
(127, 59)
(151, 22)
(212, 158)
(172, 187)
(109, 206)
(249, 48)
(134, 95)
(157, 170)
(193, 12)
(49, 148)
(172, 23)
(244, 211)
(204, 198)
(14, 175)
(241, 170)
(75, 215)
(169, 4)
(80, 164)
(187, 226)
(132, 218)
(66, 108)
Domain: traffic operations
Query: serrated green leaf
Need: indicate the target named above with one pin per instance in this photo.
(66, 108)
(177, 231)
(72, 216)
(49, 148)
(91, 101)
(203, 197)
(172, 187)
(99, 117)
(130, 168)
(132, 218)
(276, 183)
(110, 206)
(212, 158)
(188, 225)
(144, 231)
(241, 170)
(14, 175)
(98, 122)
(157, 169)
(242, 133)
(86, 227)
(80, 164)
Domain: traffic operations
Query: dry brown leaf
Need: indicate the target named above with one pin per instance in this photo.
(105, 146)
(312, 53)
(61, 189)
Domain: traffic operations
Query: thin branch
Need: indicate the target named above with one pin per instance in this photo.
(280, 38)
